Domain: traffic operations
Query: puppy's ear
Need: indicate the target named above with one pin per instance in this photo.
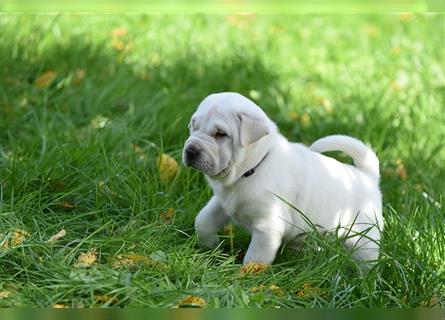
(251, 129)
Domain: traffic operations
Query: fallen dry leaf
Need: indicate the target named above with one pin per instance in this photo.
(308, 291)
(434, 301)
(131, 261)
(86, 259)
(13, 239)
(104, 298)
(192, 302)
(99, 122)
(79, 75)
(305, 120)
(406, 16)
(401, 170)
(327, 105)
(101, 184)
(59, 306)
(5, 294)
(57, 236)
(167, 215)
(276, 290)
(254, 268)
(168, 168)
(119, 32)
(118, 44)
(18, 236)
(66, 205)
(293, 115)
(272, 289)
(45, 79)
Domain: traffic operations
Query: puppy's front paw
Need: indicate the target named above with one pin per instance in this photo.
(208, 242)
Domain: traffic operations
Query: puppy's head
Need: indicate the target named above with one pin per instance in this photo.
(223, 124)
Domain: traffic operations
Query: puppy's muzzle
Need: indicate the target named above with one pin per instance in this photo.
(192, 153)
(197, 155)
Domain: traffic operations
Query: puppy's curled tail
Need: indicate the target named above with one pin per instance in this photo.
(364, 158)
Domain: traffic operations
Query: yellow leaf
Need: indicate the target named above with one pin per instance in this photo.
(308, 291)
(261, 287)
(57, 236)
(434, 301)
(17, 237)
(406, 16)
(5, 294)
(59, 306)
(119, 32)
(272, 289)
(86, 259)
(401, 170)
(305, 120)
(104, 298)
(167, 216)
(327, 105)
(131, 260)
(67, 205)
(254, 268)
(294, 115)
(45, 79)
(100, 122)
(79, 75)
(118, 44)
(276, 290)
(192, 302)
(168, 168)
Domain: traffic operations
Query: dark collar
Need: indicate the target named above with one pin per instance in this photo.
(252, 171)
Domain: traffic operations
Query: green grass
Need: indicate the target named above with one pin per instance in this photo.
(377, 77)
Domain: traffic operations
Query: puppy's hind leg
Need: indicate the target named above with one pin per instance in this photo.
(208, 222)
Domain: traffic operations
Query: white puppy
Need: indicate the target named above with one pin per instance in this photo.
(257, 176)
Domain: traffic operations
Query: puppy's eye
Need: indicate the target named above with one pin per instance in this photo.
(220, 134)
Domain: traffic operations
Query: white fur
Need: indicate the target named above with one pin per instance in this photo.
(328, 192)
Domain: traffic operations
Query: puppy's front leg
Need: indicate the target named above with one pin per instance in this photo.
(263, 247)
(208, 222)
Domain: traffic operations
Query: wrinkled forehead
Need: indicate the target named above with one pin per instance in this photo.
(223, 105)
(211, 117)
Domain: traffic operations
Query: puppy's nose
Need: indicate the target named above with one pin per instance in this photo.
(192, 152)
